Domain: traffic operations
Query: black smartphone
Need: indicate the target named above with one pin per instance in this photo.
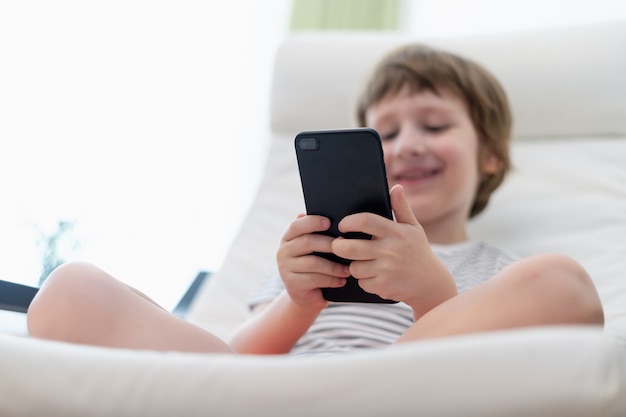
(343, 172)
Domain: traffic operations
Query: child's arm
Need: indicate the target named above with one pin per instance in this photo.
(274, 328)
(397, 263)
(279, 325)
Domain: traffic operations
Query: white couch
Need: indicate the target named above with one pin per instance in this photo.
(567, 193)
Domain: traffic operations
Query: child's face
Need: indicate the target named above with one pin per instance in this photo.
(431, 148)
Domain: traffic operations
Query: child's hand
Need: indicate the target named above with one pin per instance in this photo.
(397, 263)
(304, 273)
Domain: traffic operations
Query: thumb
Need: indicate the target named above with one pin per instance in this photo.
(400, 207)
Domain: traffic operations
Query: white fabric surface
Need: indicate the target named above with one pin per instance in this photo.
(568, 194)
(424, 379)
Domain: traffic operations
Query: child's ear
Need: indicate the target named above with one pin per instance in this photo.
(490, 164)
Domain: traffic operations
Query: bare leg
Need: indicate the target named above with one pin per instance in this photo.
(540, 290)
(80, 303)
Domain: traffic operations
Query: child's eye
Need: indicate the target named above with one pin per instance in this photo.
(436, 128)
(388, 135)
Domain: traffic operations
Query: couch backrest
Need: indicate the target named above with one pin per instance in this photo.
(562, 82)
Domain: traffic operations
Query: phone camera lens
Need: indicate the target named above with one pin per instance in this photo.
(309, 144)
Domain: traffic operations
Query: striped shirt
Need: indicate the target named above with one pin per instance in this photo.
(344, 327)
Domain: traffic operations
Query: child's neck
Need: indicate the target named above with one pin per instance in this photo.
(445, 235)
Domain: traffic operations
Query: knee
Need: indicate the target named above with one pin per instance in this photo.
(58, 298)
(568, 287)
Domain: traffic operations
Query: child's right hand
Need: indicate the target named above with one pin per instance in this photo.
(304, 273)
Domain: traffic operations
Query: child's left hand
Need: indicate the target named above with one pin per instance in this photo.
(397, 263)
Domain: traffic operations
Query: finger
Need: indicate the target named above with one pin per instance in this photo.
(311, 263)
(326, 281)
(354, 249)
(308, 282)
(304, 245)
(313, 271)
(305, 224)
(370, 279)
(363, 270)
(401, 208)
(368, 223)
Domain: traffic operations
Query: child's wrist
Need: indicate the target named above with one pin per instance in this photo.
(305, 309)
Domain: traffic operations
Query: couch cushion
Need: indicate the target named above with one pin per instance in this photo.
(572, 372)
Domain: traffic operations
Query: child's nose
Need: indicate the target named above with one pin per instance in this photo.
(409, 143)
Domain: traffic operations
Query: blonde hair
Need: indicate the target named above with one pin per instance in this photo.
(423, 68)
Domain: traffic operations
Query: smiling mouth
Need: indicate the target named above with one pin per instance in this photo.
(417, 175)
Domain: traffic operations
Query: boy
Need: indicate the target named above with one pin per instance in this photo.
(445, 125)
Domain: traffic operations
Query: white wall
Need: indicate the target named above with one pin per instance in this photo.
(455, 17)
(132, 118)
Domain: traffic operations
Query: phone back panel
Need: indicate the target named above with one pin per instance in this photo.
(343, 172)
